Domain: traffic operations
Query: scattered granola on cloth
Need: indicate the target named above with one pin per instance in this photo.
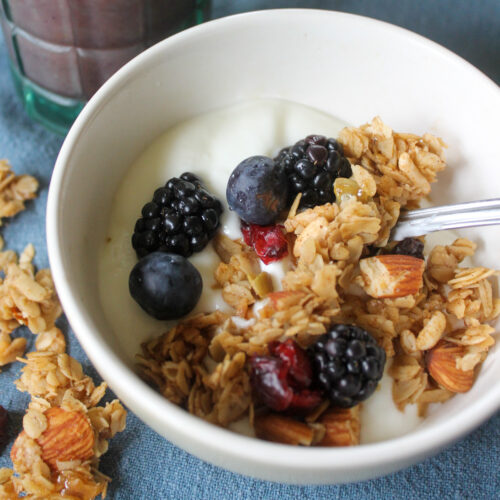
(65, 432)
(431, 317)
(14, 190)
(27, 297)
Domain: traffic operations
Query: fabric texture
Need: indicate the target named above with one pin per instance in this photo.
(142, 464)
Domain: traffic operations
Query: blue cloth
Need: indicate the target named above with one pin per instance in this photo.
(142, 464)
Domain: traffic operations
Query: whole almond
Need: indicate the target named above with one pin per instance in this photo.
(283, 430)
(442, 366)
(342, 427)
(69, 436)
(391, 276)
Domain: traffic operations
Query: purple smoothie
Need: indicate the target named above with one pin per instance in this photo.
(71, 47)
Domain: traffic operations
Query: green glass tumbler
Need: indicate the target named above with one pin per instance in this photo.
(62, 51)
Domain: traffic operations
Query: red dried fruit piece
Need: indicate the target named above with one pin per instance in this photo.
(299, 366)
(305, 400)
(3, 427)
(268, 378)
(269, 242)
(282, 380)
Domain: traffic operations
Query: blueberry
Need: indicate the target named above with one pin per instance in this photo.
(257, 190)
(166, 286)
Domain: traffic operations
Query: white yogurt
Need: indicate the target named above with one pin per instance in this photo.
(210, 146)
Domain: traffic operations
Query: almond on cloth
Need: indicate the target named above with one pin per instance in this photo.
(68, 437)
(391, 276)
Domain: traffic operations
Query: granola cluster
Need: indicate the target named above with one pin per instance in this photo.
(27, 298)
(14, 190)
(432, 317)
(64, 430)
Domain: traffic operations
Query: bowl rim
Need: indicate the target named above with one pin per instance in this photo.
(135, 392)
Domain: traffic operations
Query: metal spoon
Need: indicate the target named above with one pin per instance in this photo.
(427, 220)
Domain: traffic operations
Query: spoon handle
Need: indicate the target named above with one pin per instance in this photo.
(427, 220)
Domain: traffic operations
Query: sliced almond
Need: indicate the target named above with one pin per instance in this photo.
(442, 366)
(68, 436)
(285, 299)
(391, 276)
(342, 427)
(432, 332)
(283, 430)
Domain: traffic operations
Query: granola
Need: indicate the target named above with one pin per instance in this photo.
(65, 432)
(27, 297)
(14, 190)
(342, 272)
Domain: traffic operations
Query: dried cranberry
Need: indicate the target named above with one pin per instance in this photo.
(282, 380)
(269, 242)
(269, 381)
(299, 366)
(3, 427)
(305, 400)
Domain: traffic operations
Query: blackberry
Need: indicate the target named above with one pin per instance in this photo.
(410, 246)
(312, 165)
(181, 218)
(348, 364)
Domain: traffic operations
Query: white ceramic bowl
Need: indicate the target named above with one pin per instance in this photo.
(349, 66)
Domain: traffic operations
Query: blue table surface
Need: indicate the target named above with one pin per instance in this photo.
(144, 465)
